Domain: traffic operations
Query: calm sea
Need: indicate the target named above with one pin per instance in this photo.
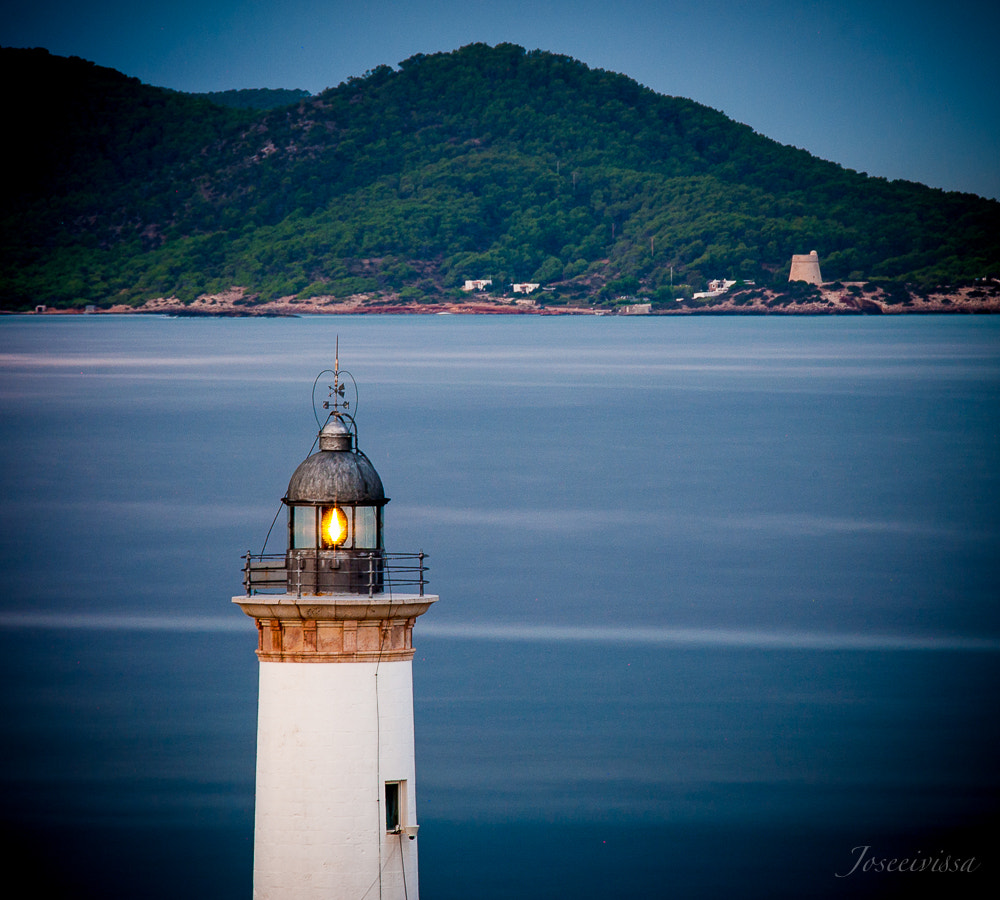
(720, 597)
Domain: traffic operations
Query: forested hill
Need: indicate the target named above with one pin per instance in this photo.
(484, 162)
(256, 98)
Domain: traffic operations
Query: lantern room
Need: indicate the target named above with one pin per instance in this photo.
(335, 504)
(335, 501)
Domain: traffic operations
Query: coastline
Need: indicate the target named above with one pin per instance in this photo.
(837, 298)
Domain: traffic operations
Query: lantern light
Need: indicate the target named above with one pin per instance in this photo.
(333, 527)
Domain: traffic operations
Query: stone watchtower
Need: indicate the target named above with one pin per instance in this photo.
(335, 812)
(805, 267)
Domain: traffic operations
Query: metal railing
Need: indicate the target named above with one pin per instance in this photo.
(268, 573)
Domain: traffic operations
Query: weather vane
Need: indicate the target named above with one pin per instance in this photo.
(336, 402)
(336, 389)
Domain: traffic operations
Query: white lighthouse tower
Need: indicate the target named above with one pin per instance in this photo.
(336, 801)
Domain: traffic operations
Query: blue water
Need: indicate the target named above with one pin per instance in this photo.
(719, 596)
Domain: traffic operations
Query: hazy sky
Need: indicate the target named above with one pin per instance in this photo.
(897, 89)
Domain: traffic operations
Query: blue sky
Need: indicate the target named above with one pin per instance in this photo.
(898, 89)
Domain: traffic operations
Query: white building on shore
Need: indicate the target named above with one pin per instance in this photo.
(716, 287)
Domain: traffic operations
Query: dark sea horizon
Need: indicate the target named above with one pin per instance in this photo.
(720, 597)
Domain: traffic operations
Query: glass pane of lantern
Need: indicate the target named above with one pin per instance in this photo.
(304, 527)
(366, 533)
(334, 529)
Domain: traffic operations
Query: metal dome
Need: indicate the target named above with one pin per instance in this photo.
(336, 473)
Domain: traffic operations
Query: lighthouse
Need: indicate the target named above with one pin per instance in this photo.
(335, 808)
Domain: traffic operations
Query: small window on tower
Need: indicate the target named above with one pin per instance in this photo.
(392, 806)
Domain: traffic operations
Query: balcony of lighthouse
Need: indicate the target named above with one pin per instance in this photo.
(305, 575)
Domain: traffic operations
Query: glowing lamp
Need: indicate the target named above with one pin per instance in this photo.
(333, 527)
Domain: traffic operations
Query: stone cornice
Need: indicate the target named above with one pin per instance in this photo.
(334, 628)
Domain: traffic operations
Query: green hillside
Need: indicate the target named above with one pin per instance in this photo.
(483, 162)
(256, 98)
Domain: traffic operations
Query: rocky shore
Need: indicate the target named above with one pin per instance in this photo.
(837, 298)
